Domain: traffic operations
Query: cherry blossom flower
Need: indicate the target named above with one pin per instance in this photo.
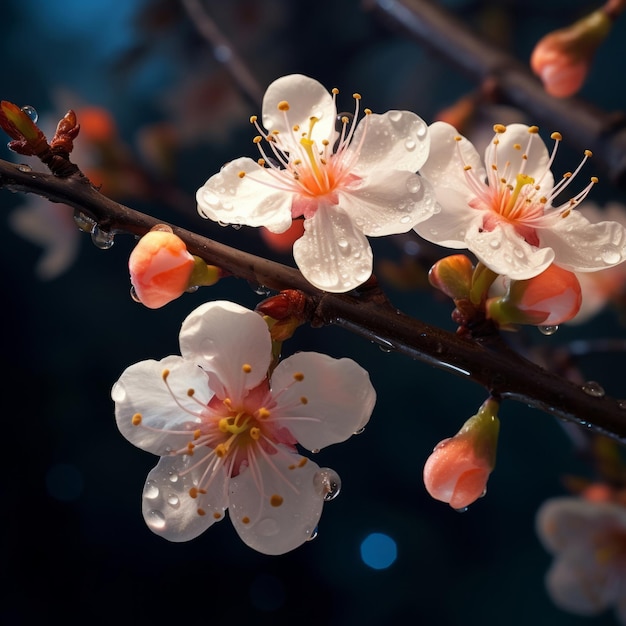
(226, 432)
(346, 185)
(588, 540)
(505, 212)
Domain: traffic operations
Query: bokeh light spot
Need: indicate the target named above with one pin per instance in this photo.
(378, 551)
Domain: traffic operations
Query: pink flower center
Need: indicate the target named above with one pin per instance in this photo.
(312, 173)
(515, 197)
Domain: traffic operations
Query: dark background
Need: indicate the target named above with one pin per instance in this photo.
(75, 549)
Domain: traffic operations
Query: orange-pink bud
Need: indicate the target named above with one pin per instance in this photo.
(160, 268)
(452, 275)
(563, 57)
(551, 298)
(458, 469)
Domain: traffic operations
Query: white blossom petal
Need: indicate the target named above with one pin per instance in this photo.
(142, 391)
(505, 252)
(396, 140)
(229, 341)
(307, 98)
(275, 504)
(333, 254)
(580, 246)
(389, 202)
(335, 396)
(169, 509)
(446, 230)
(252, 199)
(512, 145)
(447, 159)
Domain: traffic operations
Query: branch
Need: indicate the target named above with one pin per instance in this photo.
(503, 373)
(585, 126)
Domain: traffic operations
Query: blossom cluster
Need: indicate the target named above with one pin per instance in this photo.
(227, 417)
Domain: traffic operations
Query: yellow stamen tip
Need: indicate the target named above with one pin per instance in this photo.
(356, 96)
(164, 374)
(556, 136)
(136, 420)
(253, 119)
(257, 139)
(193, 492)
(191, 392)
(467, 167)
(276, 500)
(517, 146)
(594, 179)
(304, 400)
(499, 128)
(283, 105)
(367, 111)
(247, 368)
(533, 130)
(588, 153)
(299, 376)
(334, 91)
(241, 174)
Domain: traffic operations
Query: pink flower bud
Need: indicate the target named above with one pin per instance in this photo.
(548, 299)
(458, 469)
(453, 276)
(563, 57)
(160, 268)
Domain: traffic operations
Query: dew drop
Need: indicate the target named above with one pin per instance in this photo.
(464, 509)
(31, 112)
(410, 145)
(150, 490)
(548, 330)
(313, 534)
(592, 388)
(342, 243)
(621, 404)
(133, 295)
(413, 185)
(24, 168)
(405, 219)
(173, 477)
(101, 238)
(155, 520)
(610, 255)
(327, 483)
(84, 223)
(421, 131)
(360, 431)
(315, 450)
(173, 501)
(395, 116)
(494, 243)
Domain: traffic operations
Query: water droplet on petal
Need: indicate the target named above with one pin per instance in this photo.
(133, 295)
(31, 112)
(150, 490)
(101, 238)
(410, 145)
(327, 483)
(592, 388)
(421, 131)
(494, 243)
(610, 255)
(360, 431)
(342, 243)
(173, 501)
(313, 534)
(413, 185)
(464, 509)
(548, 330)
(315, 450)
(155, 520)
(173, 477)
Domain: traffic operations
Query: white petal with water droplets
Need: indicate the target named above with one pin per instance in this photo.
(335, 395)
(505, 252)
(142, 390)
(583, 247)
(274, 503)
(168, 508)
(307, 98)
(222, 337)
(396, 140)
(333, 254)
(251, 200)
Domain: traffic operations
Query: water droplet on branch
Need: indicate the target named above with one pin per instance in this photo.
(101, 238)
(592, 388)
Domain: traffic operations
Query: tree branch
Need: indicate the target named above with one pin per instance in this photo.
(585, 126)
(503, 373)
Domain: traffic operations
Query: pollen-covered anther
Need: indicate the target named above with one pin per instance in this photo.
(223, 425)
(283, 105)
(356, 96)
(197, 433)
(276, 500)
(245, 519)
(458, 138)
(221, 450)
(164, 374)
(334, 91)
(193, 492)
(299, 376)
(556, 136)
(588, 153)
(190, 447)
(467, 168)
(255, 433)
(201, 512)
(367, 111)
(517, 146)
(217, 515)
(263, 413)
(257, 139)
(247, 368)
(191, 392)
(499, 128)
(253, 119)
(304, 400)
(241, 174)
(136, 419)
(594, 180)
(533, 130)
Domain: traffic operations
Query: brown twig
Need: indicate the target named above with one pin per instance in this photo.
(502, 372)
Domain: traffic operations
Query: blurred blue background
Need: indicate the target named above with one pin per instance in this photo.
(75, 548)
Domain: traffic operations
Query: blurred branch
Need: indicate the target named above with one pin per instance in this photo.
(584, 126)
(224, 51)
(367, 312)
